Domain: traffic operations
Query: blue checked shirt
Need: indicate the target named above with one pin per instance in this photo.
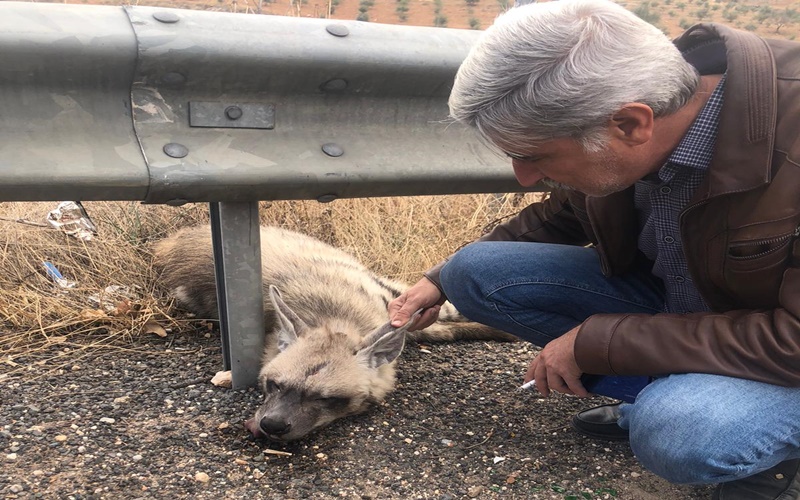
(660, 199)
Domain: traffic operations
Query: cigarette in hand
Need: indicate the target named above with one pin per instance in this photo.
(528, 385)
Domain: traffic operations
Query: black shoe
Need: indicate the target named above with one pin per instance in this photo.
(781, 482)
(600, 423)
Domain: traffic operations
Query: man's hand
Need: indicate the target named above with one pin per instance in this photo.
(555, 367)
(423, 295)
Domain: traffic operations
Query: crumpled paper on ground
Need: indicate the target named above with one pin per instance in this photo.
(71, 218)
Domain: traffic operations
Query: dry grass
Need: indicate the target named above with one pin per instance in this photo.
(47, 325)
(51, 327)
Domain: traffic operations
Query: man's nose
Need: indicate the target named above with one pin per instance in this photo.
(527, 175)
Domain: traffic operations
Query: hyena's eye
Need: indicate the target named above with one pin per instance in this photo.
(273, 386)
(336, 402)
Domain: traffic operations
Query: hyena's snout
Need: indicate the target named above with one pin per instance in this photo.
(274, 426)
(282, 420)
(269, 426)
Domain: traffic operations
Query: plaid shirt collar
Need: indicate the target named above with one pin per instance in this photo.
(697, 146)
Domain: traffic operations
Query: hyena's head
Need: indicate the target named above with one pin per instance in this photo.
(321, 374)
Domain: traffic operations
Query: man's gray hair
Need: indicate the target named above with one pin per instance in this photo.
(562, 69)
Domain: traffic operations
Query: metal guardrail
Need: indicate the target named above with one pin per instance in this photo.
(174, 106)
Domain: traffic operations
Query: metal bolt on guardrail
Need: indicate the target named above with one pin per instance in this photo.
(339, 30)
(333, 150)
(176, 150)
(166, 17)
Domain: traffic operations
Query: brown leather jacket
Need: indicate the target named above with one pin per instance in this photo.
(740, 232)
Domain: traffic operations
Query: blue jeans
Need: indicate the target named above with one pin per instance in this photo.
(688, 428)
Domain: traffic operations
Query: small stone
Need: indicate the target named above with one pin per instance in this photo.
(38, 472)
(81, 449)
(203, 435)
(474, 491)
(635, 474)
(408, 440)
(61, 438)
(321, 456)
(239, 461)
(202, 477)
(36, 430)
(223, 379)
(11, 456)
(223, 426)
(107, 420)
(16, 488)
(137, 458)
(122, 399)
(257, 474)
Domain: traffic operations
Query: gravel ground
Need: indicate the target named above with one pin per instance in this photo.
(142, 421)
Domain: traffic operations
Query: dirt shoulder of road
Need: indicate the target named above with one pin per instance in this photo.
(143, 422)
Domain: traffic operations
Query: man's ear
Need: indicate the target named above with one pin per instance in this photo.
(632, 123)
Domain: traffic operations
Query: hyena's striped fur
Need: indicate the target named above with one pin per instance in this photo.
(328, 351)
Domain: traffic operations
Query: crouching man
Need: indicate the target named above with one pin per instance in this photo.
(668, 246)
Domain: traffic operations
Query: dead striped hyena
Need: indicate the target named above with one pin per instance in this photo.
(329, 351)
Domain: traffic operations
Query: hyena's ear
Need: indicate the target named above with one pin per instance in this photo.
(382, 346)
(290, 326)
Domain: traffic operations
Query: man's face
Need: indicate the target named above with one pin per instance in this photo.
(565, 163)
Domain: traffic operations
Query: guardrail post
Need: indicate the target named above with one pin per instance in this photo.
(236, 237)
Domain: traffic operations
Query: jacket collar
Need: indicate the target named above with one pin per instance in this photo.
(743, 153)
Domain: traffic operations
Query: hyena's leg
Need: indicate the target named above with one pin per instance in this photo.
(449, 331)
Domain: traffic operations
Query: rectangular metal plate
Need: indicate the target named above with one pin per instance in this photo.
(231, 115)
